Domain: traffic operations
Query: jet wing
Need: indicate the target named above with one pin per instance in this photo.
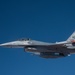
(51, 45)
(47, 48)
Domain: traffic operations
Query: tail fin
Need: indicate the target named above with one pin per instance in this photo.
(71, 38)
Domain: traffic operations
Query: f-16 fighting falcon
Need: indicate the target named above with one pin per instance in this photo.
(43, 49)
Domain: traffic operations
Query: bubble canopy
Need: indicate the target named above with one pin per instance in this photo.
(24, 39)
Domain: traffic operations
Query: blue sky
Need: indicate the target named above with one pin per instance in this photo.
(43, 20)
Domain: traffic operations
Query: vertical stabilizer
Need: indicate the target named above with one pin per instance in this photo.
(71, 38)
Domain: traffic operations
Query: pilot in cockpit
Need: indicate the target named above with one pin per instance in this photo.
(24, 39)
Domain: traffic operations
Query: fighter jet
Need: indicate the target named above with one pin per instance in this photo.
(44, 49)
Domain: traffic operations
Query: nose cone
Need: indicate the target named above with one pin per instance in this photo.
(5, 44)
(8, 44)
(16, 44)
(1, 44)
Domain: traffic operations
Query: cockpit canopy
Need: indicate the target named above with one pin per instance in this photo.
(24, 39)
